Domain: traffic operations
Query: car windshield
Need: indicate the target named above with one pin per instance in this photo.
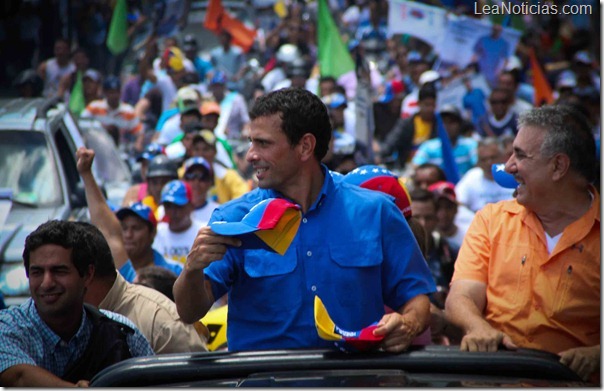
(109, 166)
(28, 169)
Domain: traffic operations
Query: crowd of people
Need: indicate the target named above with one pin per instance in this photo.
(212, 132)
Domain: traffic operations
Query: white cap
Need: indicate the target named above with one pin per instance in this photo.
(428, 76)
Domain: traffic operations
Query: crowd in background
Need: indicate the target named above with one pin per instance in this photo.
(177, 107)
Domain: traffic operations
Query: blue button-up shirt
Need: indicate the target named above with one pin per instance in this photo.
(353, 249)
(26, 339)
(127, 270)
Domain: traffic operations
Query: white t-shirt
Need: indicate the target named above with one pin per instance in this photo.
(475, 191)
(204, 213)
(169, 130)
(173, 245)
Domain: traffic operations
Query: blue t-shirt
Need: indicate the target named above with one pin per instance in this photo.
(464, 151)
(353, 249)
(127, 270)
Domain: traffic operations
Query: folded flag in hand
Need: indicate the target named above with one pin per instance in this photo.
(326, 328)
(275, 221)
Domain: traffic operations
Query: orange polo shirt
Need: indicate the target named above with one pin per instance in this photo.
(542, 301)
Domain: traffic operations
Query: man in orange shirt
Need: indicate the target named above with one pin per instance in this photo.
(528, 272)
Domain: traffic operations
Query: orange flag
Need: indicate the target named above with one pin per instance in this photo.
(217, 18)
(543, 91)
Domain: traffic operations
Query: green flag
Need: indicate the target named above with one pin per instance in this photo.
(117, 38)
(334, 57)
(77, 103)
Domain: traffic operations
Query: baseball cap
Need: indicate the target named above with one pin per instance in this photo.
(197, 161)
(219, 78)
(112, 83)
(449, 109)
(583, 57)
(566, 80)
(392, 89)
(414, 56)
(428, 77)
(335, 100)
(207, 136)
(150, 152)
(161, 165)
(176, 192)
(362, 339)
(353, 44)
(210, 107)
(140, 210)
(378, 178)
(275, 221)
(174, 59)
(187, 99)
(503, 178)
(92, 74)
(443, 189)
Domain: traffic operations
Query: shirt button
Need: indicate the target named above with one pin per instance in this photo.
(304, 220)
(309, 253)
(313, 288)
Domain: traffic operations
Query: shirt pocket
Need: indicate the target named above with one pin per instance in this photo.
(263, 263)
(356, 272)
(577, 292)
(509, 280)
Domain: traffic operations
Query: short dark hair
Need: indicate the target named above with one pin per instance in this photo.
(423, 195)
(427, 91)
(101, 253)
(441, 173)
(66, 234)
(566, 131)
(301, 112)
(158, 278)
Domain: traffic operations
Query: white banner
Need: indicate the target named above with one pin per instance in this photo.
(418, 20)
(456, 44)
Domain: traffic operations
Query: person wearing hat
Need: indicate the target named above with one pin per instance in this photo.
(464, 148)
(138, 191)
(228, 184)
(170, 125)
(130, 245)
(168, 79)
(198, 174)
(175, 237)
(583, 68)
(446, 211)
(118, 118)
(29, 84)
(234, 118)
(410, 105)
(161, 170)
(349, 241)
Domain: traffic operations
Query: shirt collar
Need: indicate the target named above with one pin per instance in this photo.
(50, 338)
(114, 297)
(327, 187)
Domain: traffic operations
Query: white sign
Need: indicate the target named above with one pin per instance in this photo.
(418, 20)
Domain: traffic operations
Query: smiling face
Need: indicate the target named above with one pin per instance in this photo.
(274, 160)
(530, 168)
(55, 284)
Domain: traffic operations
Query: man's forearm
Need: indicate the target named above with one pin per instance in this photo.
(462, 312)
(24, 375)
(193, 295)
(418, 309)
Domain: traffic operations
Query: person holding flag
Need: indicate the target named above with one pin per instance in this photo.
(352, 248)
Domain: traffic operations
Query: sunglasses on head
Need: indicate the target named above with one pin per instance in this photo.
(196, 175)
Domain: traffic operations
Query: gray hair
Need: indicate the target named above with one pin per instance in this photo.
(488, 141)
(566, 131)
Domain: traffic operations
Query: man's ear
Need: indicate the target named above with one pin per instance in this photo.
(560, 166)
(306, 146)
(90, 276)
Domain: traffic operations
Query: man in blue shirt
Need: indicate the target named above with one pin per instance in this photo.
(45, 339)
(353, 248)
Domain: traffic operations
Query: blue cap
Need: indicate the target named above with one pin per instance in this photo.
(583, 57)
(353, 44)
(112, 83)
(219, 78)
(335, 100)
(503, 178)
(197, 161)
(150, 152)
(138, 209)
(176, 192)
(414, 56)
